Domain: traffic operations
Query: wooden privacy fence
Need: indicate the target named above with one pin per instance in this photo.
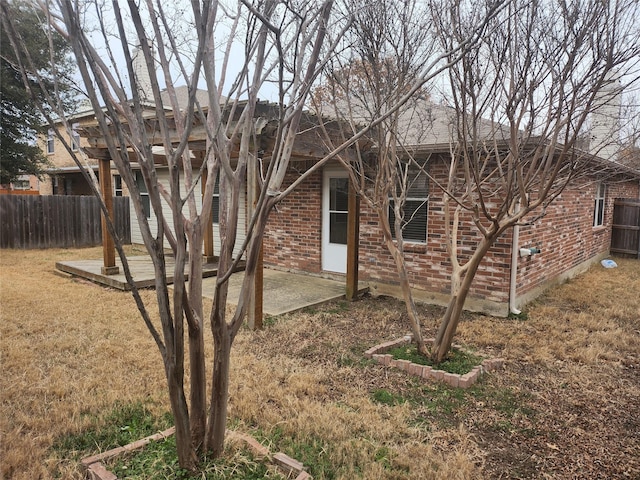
(50, 221)
(625, 232)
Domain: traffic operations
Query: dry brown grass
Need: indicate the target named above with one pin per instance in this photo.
(593, 318)
(71, 349)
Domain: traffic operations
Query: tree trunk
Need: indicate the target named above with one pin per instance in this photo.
(198, 383)
(448, 327)
(460, 284)
(414, 320)
(198, 398)
(187, 457)
(219, 390)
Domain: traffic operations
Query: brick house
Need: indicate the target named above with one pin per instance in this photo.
(574, 234)
(306, 233)
(63, 176)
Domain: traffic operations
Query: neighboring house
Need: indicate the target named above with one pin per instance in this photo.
(63, 176)
(24, 185)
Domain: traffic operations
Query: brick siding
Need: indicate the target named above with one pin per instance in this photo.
(565, 235)
(294, 233)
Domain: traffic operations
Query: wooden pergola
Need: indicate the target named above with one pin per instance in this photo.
(307, 148)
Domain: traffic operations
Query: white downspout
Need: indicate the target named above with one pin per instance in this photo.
(514, 267)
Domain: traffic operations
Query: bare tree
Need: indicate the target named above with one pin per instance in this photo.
(221, 138)
(521, 101)
(203, 141)
(393, 55)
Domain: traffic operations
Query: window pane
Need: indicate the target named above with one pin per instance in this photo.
(414, 226)
(75, 137)
(599, 213)
(144, 195)
(338, 228)
(415, 216)
(50, 142)
(598, 208)
(140, 182)
(418, 184)
(146, 204)
(117, 185)
(215, 208)
(339, 198)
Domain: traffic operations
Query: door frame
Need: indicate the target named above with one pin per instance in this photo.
(333, 256)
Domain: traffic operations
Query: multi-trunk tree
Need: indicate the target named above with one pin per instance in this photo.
(512, 110)
(382, 81)
(523, 101)
(234, 51)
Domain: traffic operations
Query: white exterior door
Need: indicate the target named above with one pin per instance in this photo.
(335, 191)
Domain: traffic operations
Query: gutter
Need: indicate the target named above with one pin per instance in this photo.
(74, 169)
(514, 267)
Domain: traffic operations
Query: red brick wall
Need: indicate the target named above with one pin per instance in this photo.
(565, 235)
(293, 235)
(428, 264)
(293, 241)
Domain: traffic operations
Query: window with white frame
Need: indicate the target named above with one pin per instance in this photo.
(598, 208)
(22, 183)
(117, 185)
(215, 207)
(414, 212)
(51, 145)
(75, 137)
(144, 194)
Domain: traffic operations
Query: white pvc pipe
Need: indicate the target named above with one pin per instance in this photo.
(513, 281)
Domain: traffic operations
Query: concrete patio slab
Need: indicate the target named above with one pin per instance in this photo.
(284, 292)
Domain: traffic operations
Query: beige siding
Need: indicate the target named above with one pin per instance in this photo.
(163, 176)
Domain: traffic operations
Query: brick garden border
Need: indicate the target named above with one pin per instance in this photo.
(466, 380)
(97, 471)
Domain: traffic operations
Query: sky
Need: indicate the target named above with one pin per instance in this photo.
(179, 15)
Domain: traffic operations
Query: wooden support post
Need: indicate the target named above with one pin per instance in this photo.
(207, 239)
(353, 243)
(254, 316)
(108, 245)
(258, 299)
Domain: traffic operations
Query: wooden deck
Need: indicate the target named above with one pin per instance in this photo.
(141, 271)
